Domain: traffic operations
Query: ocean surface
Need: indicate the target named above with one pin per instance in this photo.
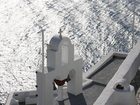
(95, 27)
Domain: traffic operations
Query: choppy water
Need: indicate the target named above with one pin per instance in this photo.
(95, 27)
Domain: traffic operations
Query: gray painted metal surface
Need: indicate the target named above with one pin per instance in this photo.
(91, 92)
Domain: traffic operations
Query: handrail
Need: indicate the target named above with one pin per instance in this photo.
(123, 76)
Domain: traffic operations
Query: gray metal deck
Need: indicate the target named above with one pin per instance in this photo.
(92, 91)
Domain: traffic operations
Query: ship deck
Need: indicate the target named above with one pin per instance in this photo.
(92, 91)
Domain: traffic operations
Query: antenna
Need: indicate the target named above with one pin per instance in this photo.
(133, 24)
(42, 32)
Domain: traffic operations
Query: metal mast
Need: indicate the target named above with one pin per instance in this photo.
(42, 33)
(133, 24)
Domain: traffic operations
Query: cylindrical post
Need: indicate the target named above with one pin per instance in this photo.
(59, 93)
(133, 24)
(43, 50)
(42, 32)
